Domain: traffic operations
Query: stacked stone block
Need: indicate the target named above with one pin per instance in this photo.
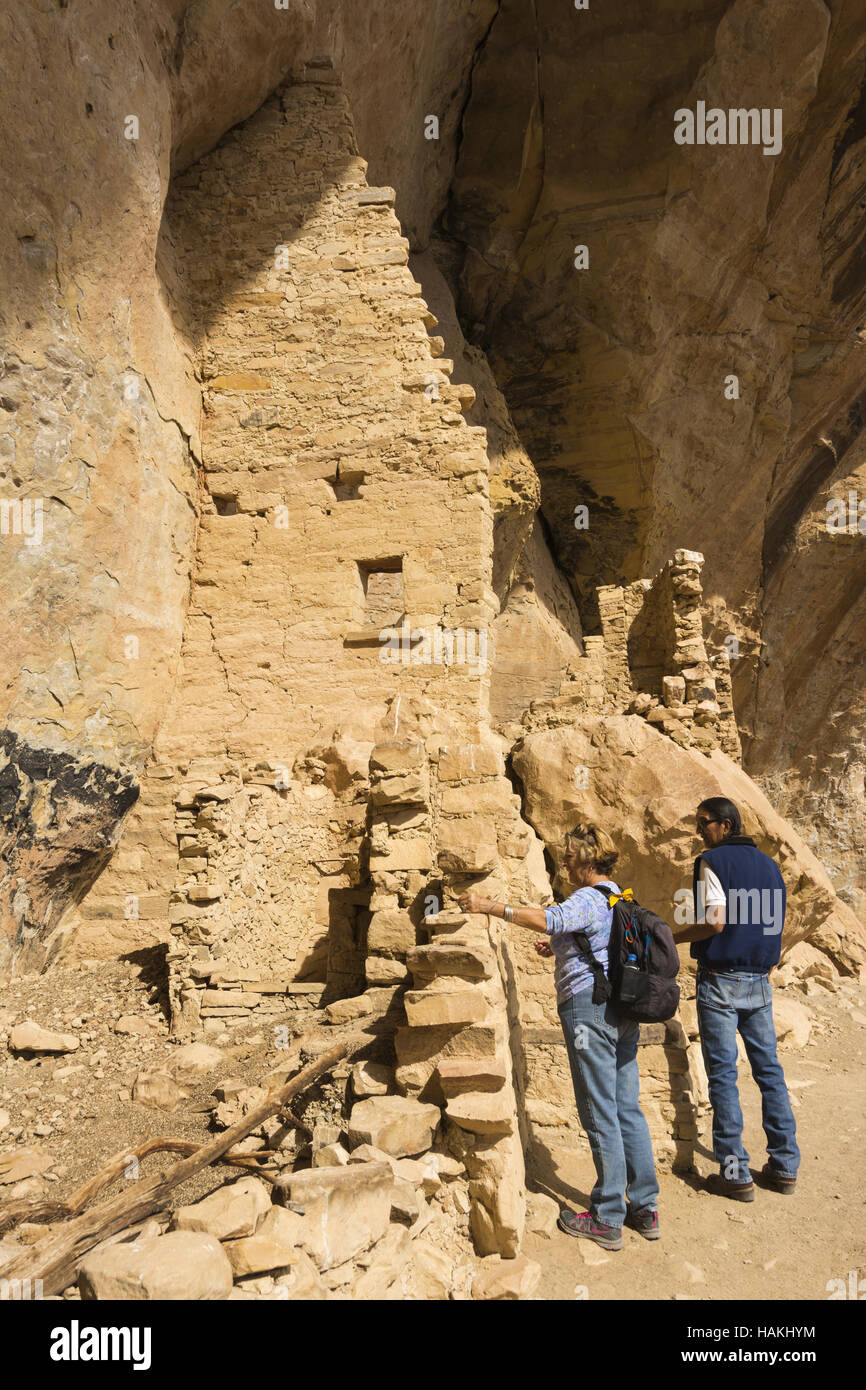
(615, 616)
(441, 814)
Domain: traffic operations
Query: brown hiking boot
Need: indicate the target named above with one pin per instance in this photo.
(779, 1182)
(737, 1191)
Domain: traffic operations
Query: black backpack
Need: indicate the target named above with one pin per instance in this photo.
(653, 990)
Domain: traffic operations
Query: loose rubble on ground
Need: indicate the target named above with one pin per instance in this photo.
(366, 1198)
(369, 1201)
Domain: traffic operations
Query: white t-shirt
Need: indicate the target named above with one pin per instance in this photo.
(714, 893)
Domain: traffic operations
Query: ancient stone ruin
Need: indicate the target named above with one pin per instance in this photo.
(364, 662)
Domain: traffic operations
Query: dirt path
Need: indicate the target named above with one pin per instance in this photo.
(773, 1248)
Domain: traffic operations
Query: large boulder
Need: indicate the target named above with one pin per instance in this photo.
(644, 789)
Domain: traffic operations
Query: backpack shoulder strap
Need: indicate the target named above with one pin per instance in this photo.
(605, 893)
(600, 985)
(583, 942)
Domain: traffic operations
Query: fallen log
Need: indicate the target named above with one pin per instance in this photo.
(54, 1259)
(40, 1213)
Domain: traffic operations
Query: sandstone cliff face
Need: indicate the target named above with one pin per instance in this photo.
(100, 408)
(602, 386)
(703, 262)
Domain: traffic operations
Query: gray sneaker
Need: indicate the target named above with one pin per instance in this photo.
(608, 1237)
(646, 1223)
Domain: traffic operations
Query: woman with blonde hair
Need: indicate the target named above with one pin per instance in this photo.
(601, 1044)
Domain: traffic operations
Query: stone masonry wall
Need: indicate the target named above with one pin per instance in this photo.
(337, 470)
(652, 659)
(341, 606)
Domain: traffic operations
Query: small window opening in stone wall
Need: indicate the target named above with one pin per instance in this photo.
(382, 580)
(346, 484)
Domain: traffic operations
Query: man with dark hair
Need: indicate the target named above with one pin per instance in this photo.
(737, 940)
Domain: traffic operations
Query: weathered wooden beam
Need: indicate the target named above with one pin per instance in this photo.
(54, 1259)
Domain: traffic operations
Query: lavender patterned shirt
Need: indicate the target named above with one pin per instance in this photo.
(586, 910)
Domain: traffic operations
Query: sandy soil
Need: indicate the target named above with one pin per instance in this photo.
(776, 1247)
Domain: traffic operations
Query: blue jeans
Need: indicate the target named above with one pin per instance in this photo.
(726, 1003)
(602, 1054)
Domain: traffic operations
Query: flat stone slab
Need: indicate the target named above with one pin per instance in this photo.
(402, 855)
(377, 999)
(311, 1183)
(481, 1112)
(399, 1125)
(457, 1075)
(29, 1037)
(446, 1040)
(448, 958)
(228, 998)
(457, 1003)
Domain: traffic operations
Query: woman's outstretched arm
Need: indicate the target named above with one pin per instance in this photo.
(532, 918)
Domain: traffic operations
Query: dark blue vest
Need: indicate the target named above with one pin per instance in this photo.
(754, 915)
